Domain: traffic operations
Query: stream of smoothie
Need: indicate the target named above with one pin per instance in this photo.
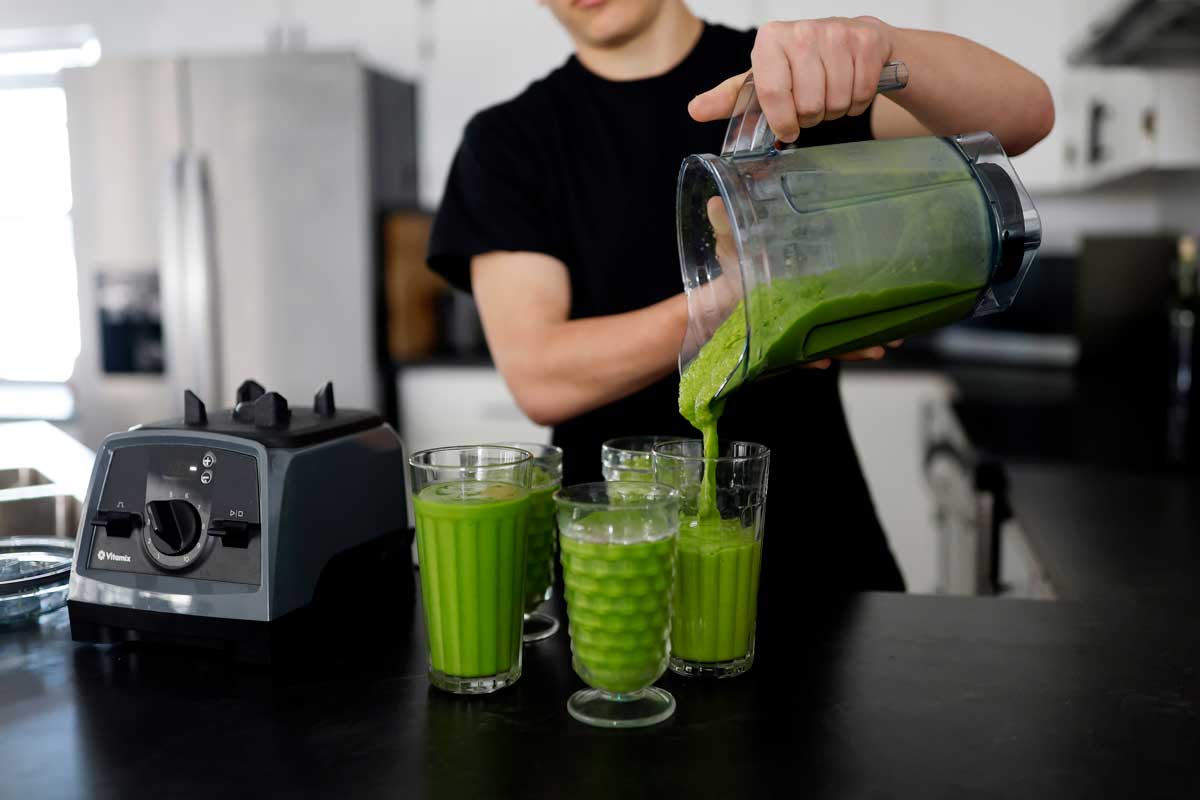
(715, 599)
(889, 251)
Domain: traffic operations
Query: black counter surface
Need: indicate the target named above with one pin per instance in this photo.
(875, 695)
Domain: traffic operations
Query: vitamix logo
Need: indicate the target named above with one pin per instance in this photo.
(104, 555)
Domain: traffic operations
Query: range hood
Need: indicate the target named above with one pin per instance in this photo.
(1144, 33)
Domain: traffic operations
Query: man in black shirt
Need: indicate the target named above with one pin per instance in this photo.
(559, 214)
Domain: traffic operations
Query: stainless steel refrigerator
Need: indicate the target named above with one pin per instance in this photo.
(242, 195)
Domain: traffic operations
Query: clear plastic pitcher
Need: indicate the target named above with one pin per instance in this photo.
(793, 255)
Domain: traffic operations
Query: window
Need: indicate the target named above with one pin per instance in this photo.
(39, 307)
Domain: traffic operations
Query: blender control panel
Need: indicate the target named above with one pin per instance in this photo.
(179, 509)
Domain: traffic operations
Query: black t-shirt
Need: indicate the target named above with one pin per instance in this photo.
(583, 169)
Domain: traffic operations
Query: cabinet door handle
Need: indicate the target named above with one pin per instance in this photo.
(1097, 113)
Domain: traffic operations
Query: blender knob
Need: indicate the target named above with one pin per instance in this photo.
(174, 526)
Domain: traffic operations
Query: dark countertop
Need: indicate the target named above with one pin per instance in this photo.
(875, 695)
(883, 696)
(1122, 540)
(878, 695)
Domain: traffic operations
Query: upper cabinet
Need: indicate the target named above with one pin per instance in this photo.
(1123, 121)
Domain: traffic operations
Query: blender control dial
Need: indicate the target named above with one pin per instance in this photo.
(174, 526)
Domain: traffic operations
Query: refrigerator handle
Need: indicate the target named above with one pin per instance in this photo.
(189, 281)
(172, 272)
(200, 297)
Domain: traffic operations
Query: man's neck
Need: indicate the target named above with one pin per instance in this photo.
(654, 51)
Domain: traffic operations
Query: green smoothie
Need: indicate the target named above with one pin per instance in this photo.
(716, 591)
(619, 605)
(795, 320)
(802, 319)
(471, 542)
(539, 564)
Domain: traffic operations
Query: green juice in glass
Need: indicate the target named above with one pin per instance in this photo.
(716, 590)
(539, 565)
(619, 606)
(471, 543)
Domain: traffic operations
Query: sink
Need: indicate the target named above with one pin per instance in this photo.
(46, 515)
(21, 476)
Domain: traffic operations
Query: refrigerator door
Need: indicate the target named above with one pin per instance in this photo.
(285, 140)
(124, 125)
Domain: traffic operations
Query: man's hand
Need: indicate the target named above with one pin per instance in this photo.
(814, 70)
(807, 72)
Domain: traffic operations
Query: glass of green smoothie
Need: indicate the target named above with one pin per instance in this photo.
(618, 557)
(723, 503)
(471, 508)
(543, 529)
(627, 458)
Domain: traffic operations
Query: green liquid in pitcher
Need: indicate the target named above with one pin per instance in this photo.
(619, 604)
(471, 540)
(802, 319)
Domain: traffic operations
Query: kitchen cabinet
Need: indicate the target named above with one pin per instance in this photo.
(1121, 121)
(883, 410)
(449, 405)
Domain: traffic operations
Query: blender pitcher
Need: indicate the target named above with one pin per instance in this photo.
(793, 255)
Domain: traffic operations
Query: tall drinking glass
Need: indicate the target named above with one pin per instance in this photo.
(628, 458)
(618, 556)
(472, 509)
(543, 529)
(720, 553)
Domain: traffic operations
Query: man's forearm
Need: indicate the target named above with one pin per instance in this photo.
(957, 86)
(561, 370)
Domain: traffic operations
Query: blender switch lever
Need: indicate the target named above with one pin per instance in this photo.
(232, 533)
(117, 523)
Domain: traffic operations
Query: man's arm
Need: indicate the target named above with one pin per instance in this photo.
(809, 71)
(958, 86)
(556, 367)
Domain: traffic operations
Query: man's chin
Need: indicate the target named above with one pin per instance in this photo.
(609, 25)
(606, 36)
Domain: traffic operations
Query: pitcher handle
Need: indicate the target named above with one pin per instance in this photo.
(748, 131)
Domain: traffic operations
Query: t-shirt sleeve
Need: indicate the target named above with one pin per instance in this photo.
(495, 199)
